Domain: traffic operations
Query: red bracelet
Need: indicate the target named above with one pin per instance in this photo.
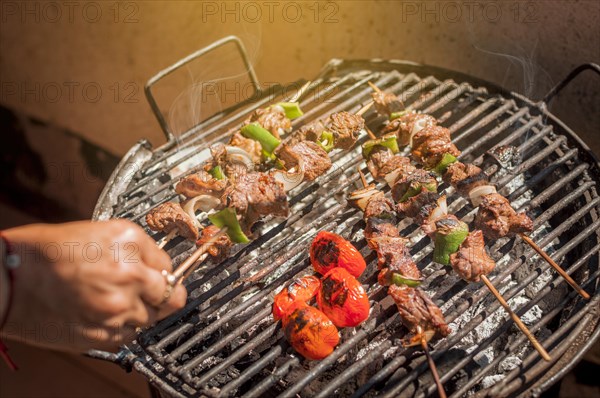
(11, 262)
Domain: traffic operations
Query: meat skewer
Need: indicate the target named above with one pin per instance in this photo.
(399, 271)
(176, 222)
(414, 190)
(249, 195)
(432, 147)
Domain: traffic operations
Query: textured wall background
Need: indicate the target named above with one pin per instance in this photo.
(82, 65)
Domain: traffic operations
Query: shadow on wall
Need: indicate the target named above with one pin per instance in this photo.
(48, 173)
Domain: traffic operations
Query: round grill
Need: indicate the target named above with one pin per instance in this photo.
(225, 342)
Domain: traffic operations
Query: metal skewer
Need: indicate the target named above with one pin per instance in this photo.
(535, 247)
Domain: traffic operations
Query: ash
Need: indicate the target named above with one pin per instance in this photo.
(498, 355)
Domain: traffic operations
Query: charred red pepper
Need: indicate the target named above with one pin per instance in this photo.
(299, 290)
(310, 332)
(343, 299)
(329, 251)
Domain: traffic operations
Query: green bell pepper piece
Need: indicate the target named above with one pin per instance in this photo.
(398, 280)
(449, 235)
(326, 137)
(397, 115)
(416, 187)
(292, 109)
(256, 132)
(217, 172)
(227, 218)
(388, 141)
(267, 157)
(446, 161)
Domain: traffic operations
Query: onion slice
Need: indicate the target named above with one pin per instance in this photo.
(476, 194)
(419, 125)
(202, 202)
(392, 176)
(289, 179)
(360, 198)
(234, 152)
(440, 211)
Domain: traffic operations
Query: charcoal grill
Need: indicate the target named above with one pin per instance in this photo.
(225, 343)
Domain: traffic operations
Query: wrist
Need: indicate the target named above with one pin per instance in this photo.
(9, 261)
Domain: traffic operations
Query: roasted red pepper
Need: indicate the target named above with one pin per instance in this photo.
(343, 299)
(329, 251)
(310, 332)
(299, 290)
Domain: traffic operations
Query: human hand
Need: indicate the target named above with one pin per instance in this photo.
(86, 285)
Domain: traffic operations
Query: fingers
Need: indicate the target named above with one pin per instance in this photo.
(140, 244)
(153, 290)
(176, 302)
(142, 315)
(154, 257)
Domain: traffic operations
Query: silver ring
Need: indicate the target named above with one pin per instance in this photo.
(170, 281)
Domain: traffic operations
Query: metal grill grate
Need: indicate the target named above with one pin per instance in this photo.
(224, 342)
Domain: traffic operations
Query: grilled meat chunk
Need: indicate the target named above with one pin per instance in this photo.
(409, 124)
(471, 260)
(233, 168)
(412, 206)
(315, 161)
(380, 208)
(249, 145)
(417, 309)
(256, 195)
(311, 131)
(408, 184)
(465, 177)
(393, 254)
(200, 183)
(430, 144)
(169, 216)
(497, 218)
(272, 119)
(382, 162)
(386, 103)
(220, 248)
(376, 228)
(345, 128)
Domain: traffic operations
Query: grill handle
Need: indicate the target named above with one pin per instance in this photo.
(574, 73)
(165, 72)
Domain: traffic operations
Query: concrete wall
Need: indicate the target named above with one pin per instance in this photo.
(82, 65)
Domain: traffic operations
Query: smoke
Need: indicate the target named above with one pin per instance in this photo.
(212, 82)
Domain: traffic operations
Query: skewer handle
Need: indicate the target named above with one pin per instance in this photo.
(167, 239)
(365, 108)
(432, 367)
(300, 92)
(374, 87)
(370, 133)
(178, 274)
(536, 344)
(554, 265)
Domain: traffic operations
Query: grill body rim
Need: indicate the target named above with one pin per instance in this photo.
(138, 155)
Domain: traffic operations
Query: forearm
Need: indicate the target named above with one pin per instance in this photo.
(4, 282)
